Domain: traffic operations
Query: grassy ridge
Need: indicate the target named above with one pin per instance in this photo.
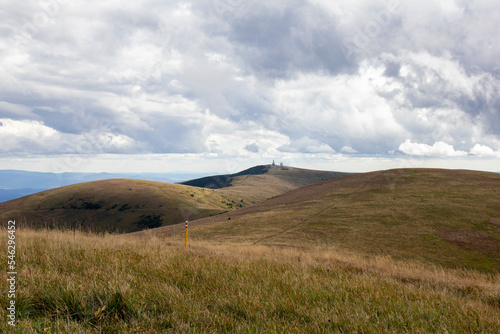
(123, 284)
(117, 205)
(262, 182)
(446, 217)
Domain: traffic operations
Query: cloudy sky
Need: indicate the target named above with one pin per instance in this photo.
(222, 85)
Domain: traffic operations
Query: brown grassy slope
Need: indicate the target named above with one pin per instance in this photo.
(262, 182)
(112, 205)
(446, 217)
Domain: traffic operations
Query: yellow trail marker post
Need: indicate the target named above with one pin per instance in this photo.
(186, 240)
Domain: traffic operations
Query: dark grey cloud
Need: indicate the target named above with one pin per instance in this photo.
(392, 69)
(278, 42)
(254, 148)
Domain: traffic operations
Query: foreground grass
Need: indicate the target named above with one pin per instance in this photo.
(71, 282)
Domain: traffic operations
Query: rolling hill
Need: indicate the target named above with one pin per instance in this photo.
(445, 217)
(115, 205)
(18, 183)
(127, 205)
(262, 182)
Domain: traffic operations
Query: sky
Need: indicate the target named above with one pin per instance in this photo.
(222, 85)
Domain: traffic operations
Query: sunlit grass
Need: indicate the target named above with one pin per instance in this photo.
(72, 282)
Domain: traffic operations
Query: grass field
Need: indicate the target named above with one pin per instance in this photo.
(445, 217)
(75, 282)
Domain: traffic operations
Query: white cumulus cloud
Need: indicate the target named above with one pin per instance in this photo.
(479, 149)
(348, 149)
(438, 149)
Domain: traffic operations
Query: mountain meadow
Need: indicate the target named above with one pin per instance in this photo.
(398, 251)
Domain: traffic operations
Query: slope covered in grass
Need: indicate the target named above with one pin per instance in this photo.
(124, 284)
(117, 205)
(262, 182)
(129, 205)
(446, 217)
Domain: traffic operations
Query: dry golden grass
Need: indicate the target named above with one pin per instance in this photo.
(74, 282)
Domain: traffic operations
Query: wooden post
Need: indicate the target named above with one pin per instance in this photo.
(186, 241)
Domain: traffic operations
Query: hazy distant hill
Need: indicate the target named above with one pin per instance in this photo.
(8, 194)
(448, 217)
